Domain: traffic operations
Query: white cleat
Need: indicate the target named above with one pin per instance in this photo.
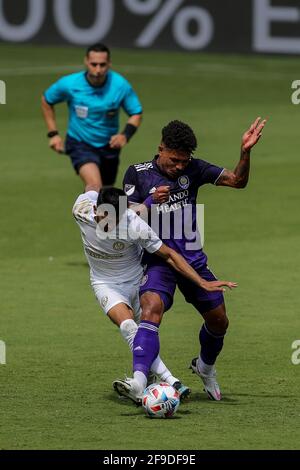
(129, 388)
(211, 386)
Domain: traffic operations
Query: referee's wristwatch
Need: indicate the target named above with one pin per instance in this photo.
(52, 134)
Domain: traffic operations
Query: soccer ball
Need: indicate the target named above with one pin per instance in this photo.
(160, 400)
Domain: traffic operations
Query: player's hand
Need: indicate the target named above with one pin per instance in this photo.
(217, 286)
(161, 195)
(57, 144)
(118, 141)
(253, 134)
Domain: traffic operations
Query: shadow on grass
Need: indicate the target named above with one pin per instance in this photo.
(134, 410)
(123, 401)
(202, 397)
(232, 399)
(77, 264)
(257, 395)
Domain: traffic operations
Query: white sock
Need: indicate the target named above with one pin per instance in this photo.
(128, 329)
(205, 368)
(159, 368)
(141, 379)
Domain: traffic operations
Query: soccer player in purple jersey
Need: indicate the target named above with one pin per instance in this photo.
(171, 182)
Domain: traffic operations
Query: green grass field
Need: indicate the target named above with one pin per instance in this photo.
(62, 353)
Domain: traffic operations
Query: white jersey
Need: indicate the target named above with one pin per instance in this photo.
(118, 259)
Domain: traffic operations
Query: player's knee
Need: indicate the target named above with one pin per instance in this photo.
(92, 181)
(225, 324)
(152, 308)
(96, 186)
(218, 325)
(92, 184)
(151, 313)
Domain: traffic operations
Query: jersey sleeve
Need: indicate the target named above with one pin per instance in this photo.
(131, 103)
(131, 186)
(208, 173)
(83, 209)
(58, 92)
(143, 234)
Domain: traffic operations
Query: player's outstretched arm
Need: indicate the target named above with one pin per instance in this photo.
(177, 262)
(239, 177)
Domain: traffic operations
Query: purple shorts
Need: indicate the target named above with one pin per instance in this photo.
(162, 279)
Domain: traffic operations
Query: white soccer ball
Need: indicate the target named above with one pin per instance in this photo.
(160, 400)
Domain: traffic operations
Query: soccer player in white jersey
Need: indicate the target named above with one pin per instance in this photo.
(114, 238)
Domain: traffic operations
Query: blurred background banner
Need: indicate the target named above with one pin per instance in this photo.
(260, 26)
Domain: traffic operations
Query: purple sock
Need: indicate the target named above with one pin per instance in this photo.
(211, 345)
(145, 346)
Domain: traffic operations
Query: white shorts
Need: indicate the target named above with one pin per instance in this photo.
(109, 295)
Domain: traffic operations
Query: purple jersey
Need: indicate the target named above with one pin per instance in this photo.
(179, 213)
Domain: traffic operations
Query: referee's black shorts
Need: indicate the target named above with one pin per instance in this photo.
(106, 158)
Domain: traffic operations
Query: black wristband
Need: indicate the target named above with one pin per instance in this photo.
(52, 134)
(129, 130)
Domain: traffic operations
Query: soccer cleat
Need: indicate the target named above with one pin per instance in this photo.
(183, 391)
(211, 386)
(129, 388)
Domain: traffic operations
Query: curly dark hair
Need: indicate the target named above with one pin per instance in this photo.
(179, 136)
